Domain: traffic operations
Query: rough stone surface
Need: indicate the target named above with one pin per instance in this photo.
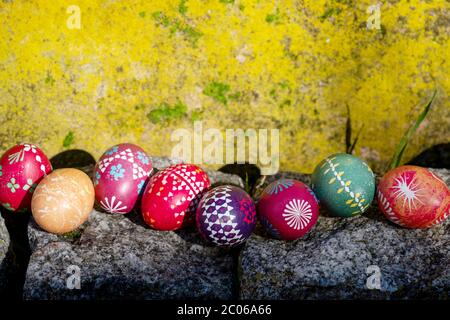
(444, 174)
(120, 257)
(163, 162)
(333, 261)
(4, 260)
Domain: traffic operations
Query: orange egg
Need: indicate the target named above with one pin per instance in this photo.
(413, 197)
(63, 200)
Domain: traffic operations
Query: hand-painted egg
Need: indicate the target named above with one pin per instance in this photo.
(344, 185)
(172, 195)
(288, 209)
(63, 200)
(21, 169)
(119, 177)
(226, 216)
(413, 197)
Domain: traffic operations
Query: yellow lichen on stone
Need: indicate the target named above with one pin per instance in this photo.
(292, 65)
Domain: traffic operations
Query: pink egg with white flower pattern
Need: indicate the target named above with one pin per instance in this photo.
(21, 168)
(288, 209)
(120, 176)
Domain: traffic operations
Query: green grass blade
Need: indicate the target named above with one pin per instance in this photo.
(405, 139)
(350, 151)
(247, 185)
(348, 131)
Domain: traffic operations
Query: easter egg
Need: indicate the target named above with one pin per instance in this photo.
(344, 185)
(413, 197)
(288, 209)
(119, 177)
(63, 200)
(172, 195)
(21, 169)
(226, 216)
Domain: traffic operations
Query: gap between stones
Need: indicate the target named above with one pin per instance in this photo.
(18, 254)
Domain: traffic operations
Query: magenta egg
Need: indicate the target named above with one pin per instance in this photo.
(288, 209)
(21, 169)
(119, 177)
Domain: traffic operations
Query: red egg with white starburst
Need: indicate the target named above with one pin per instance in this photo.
(288, 209)
(120, 176)
(172, 195)
(21, 168)
(413, 197)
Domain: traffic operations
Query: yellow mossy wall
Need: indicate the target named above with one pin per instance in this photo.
(292, 65)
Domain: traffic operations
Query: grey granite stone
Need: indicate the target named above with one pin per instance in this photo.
(444, 174)
(120, 257)
(163, 162)
(4, 239)
(219, 178)
(4, 259)
(340, 256)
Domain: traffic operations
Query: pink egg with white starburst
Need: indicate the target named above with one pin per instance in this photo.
(413, 197)
(21, 168)
(120, 176)
(288, 209)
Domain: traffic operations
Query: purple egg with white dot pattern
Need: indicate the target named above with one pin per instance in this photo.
(226, 216)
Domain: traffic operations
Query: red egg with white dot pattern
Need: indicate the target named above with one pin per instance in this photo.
(172, 195)
(413, 197)
(288, 209)
(21, 168)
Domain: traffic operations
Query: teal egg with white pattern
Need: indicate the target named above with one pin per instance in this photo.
(344, 185)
